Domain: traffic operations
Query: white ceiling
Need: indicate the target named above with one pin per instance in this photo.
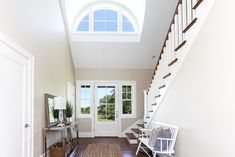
(129, 55)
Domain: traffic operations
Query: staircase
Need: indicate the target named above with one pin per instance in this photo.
(132, 137)
(187, 20)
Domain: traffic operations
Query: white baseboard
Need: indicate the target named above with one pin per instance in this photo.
(122, 135)
(85, 134)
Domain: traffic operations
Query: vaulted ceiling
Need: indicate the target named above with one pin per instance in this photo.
(157, 18)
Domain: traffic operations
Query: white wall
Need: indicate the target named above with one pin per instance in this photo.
(201, 98)
(38, 27)
(141, 76)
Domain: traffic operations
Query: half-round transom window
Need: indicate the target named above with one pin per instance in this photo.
(106, 20)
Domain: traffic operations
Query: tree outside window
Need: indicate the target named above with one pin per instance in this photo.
(85, 100)
(126, 99)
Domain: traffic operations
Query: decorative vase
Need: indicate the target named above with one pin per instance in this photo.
(69, 119)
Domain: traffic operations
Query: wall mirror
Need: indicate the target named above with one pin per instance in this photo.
(52, 116)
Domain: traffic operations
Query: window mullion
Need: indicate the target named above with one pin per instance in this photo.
(91, 21)
(119, 21)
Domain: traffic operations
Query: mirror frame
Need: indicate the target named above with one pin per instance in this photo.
(48, 123)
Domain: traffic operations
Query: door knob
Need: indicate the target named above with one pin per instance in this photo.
(26, 125)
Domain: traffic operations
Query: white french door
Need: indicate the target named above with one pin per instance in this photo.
(16, 100)
(106, 110)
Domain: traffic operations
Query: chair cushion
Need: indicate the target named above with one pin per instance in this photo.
(153, 136)
(163, 133)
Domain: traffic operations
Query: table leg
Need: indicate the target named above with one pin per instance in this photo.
(45, 144)
(77, 136)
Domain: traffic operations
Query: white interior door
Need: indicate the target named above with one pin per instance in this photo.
(15, 102)
(106, 109)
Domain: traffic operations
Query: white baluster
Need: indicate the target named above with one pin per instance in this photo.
(145, 103)
(189, 11)
(161, 72)
(180, 21)
(193, 10)
(194, 2)
(176, 30)
(185, 18)
(172, 44)
(166, 60)
(163, 64)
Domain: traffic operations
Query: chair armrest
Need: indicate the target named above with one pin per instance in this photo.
(145, 130)
(165, 139)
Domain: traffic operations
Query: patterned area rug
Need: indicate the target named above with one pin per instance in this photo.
(103, 150)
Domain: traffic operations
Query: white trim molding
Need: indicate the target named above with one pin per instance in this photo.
(119, 116)
(86, 134)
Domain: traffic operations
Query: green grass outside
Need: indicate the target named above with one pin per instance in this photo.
(101, 119)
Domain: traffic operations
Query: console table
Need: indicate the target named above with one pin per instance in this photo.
(62, 131)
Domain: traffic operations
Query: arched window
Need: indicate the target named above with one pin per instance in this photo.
(107, 20)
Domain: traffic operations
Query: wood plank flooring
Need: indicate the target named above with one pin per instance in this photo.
(128, 150)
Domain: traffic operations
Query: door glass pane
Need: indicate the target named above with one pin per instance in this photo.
(111, 112)
(106, 103)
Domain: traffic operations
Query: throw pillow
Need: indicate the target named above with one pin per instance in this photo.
(153, 136)
(164, 133)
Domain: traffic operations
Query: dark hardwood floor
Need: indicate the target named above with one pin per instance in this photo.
(128, 150)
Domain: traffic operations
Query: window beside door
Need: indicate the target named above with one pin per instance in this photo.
(128, 99)
(84, 99)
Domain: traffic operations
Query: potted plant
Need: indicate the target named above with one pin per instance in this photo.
(69, 111)
(55, 114)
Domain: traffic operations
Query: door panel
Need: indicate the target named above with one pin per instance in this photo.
(106, 122)
(15, 83)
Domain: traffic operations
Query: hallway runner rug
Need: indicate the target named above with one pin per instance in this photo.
(103, 150)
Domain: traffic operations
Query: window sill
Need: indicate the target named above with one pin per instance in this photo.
(130, 116)
(106, 37)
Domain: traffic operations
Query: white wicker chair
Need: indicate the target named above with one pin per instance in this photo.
(144, 140)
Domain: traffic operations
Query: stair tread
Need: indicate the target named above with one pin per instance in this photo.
(197, 4)
(162, 86)
(140, 125)
(137, 130)
(130, 136)
(173, 62)
(181, 45)
(157, 96)
(169, 74)
(190, 25)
